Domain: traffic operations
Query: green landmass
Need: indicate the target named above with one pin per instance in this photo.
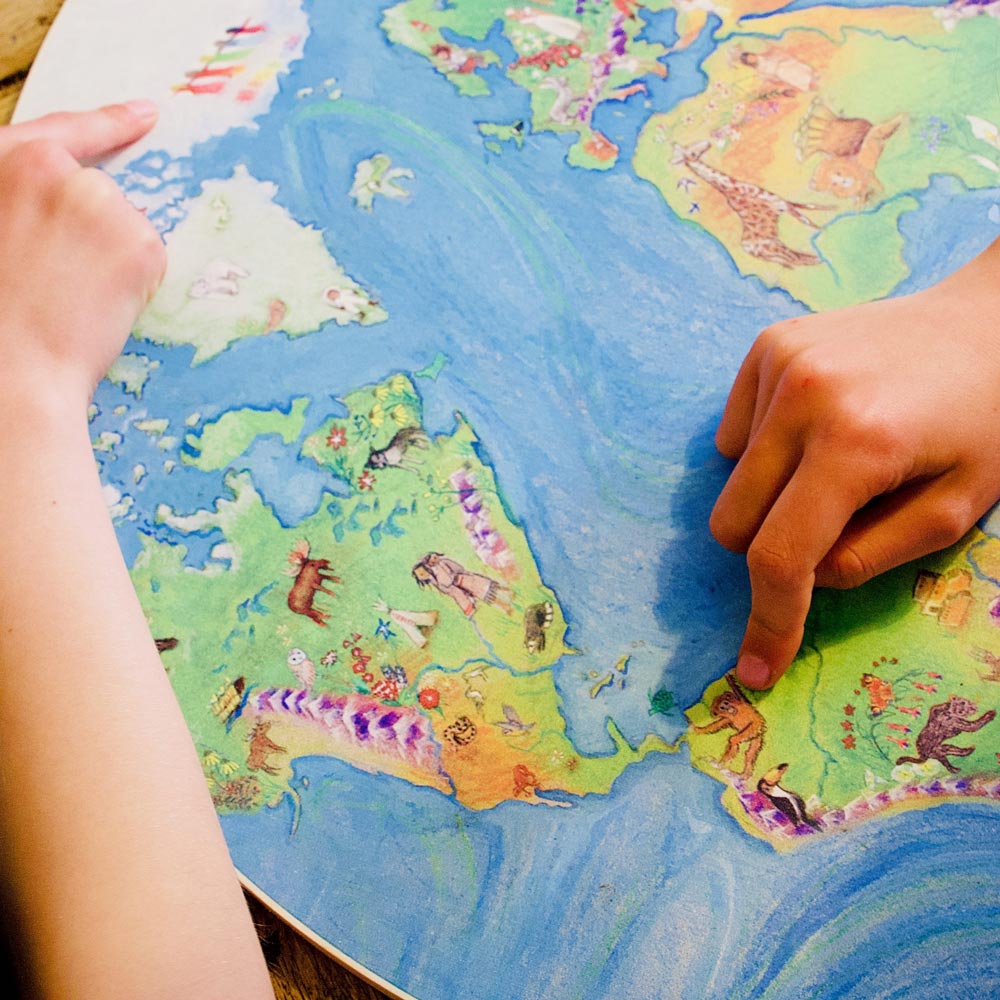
(570, 61)
(845, 114)
(241, 266)
(495, 134)
(466, 681)
(435, 368)
(849, 115)
(132, 372)
(874, 663)
(220, 441)
(377, 176)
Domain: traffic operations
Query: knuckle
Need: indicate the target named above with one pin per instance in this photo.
(780, 336)
(724, 531)
(775, 563)
(88, 195)
(866, 431)
(40, 159)
(847, 568)
(950, 520)
(869, 443)
(808, 383)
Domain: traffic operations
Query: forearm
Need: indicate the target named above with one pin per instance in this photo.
(121, 879)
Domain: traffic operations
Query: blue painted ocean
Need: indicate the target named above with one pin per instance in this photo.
(591, 339)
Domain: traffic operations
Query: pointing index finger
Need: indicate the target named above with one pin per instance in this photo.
(86, 135)
(802, 526)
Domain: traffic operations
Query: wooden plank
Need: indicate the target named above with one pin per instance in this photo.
(8, 98)
(23, 24)
(299, 971)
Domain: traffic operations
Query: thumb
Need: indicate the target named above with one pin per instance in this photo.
(85, 135)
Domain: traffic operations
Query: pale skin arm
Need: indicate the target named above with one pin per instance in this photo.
(119, 879)
(865, 437)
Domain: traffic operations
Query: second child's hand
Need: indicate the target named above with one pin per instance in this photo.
(864, 438)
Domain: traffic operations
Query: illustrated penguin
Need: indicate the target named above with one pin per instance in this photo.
(787, 802)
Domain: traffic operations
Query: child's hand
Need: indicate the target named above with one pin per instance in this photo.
(79, 263)
(865, 437)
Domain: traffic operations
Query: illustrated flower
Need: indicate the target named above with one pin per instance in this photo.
(376, 416)
(385, 689)
(429, 698)
(366, 480)
(399, 383)
(848, 742)
(399, 415)
(337, 438)
(848, 710)
(329, 658)
(395, 673)
(381, 392)
(229, 767)
(212, 758)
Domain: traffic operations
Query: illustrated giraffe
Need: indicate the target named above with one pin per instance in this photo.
(757, 208)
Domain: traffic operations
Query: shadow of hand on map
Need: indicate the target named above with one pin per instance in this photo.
(704, 594)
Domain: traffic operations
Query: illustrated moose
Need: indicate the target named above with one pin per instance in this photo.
(310, 577)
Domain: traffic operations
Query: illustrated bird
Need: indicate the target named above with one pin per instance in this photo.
(302, 667)
(788, 802)
(513, 723)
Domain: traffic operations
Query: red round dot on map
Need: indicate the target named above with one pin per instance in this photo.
(429, 698)
(358, 668)
(368, 678)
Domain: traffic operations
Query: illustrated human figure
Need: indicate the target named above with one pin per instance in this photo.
(464, 587)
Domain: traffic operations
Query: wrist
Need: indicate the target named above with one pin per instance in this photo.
(33, 378)
(42, 409)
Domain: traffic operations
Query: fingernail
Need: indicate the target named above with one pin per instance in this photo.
(753, 671)
(142, 109)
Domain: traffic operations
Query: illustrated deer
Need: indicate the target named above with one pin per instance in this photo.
(310, 577)
(260, 746)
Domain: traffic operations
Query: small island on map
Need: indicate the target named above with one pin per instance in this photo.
(403, 627)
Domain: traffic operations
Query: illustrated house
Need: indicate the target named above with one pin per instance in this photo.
(945, 596)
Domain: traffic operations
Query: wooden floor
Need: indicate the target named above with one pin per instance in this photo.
(299, 971)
